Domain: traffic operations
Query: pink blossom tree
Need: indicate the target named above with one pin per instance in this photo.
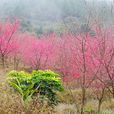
(7, 39)
(39, 53)
(77, 60)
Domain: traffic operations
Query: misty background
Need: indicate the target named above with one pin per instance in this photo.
(47, 16)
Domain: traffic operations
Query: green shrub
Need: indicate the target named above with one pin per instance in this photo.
(21, 81)
(45, 83)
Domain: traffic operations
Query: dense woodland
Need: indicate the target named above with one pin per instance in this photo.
(57, 57)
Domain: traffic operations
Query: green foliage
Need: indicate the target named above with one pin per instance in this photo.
(45, 83)
(21, 81)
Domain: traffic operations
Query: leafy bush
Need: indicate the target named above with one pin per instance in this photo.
(21, 81)
(45, 83)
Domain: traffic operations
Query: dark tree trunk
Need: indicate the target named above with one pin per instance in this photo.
(101, 100)
(83, 100)
(3, 61)
(113, 91)
(99, 106)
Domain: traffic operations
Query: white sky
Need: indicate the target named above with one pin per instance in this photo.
(101, 0)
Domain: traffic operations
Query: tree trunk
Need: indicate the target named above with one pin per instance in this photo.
(99, 106)
(101, 100)
(3, 61)
(113, 92)
(16, 63)
(83, 99)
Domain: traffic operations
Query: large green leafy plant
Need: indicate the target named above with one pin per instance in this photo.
(45, 83)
